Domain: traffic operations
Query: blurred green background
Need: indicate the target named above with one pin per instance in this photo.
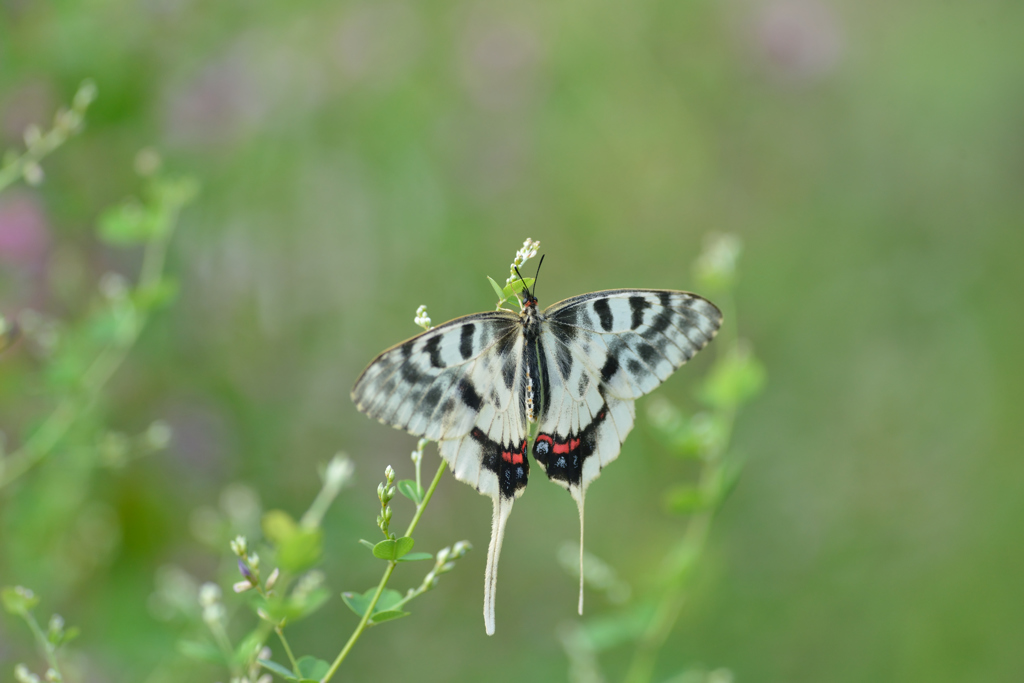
(358, 159)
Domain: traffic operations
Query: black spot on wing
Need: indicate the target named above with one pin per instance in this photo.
(649, 354)
(610, 367)
(665, 298)
(637, 304)
(431, 399)
(409, 372)
(583, 384)
(508, 370)
(564, 324)
(506, 345)
(604, 313)
(467, 392)
(466, 340)
(564, 359)
(406, 349)
(433, 347)
(636, 368)
(661, 322)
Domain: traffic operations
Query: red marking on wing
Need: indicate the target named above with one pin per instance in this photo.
(560, 448)
(544, 437)
(515, 457)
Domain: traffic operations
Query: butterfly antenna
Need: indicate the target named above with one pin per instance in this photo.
(528, 293)
(537, 274)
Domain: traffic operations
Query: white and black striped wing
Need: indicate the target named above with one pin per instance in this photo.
(601, 351)
(457, 384)
(634, 338)
(462, 384)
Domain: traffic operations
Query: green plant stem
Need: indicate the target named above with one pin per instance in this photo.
(224, 643)
(681, 562)
(671, 603)
(49, 650)
(383, 581)
(42, 442)
(287, 649)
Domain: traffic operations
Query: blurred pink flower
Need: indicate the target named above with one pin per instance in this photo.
(798, 40)
(24, 237)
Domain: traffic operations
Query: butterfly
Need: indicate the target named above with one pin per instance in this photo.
(488, 385)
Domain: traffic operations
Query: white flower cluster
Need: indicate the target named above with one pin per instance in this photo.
(527, 252)
(422, 319)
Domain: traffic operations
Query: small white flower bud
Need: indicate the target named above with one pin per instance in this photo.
(381, 490)
(85, 95)
(442, 555)
(214, 613)
(460, 549)
(113, 286)
(158, 435)
(32, 135)
(33, 173)
(339, 471)
(389, 473)
(209, 594)
(254, 561)
(241, 586)
(239, 546)
(23, 675)
(272, 579)
(53, 676)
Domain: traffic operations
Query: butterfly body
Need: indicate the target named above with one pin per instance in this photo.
(480, 385)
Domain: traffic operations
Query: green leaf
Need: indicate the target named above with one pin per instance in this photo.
(685, 499)
(735, 379)
(200, 651)
(380, 617)
(130, 222)
(393, 549)
(359, 603)
(603, 633)
(688, 437)
(156, 295)
(250, 645)
(276, 668)
(311, 667)
(301, 551)
(516, 286)
(294, 607)
(279, 527)
(411, 490)
(18, 600)
(497, 289)
(368, 544)
(415, 557)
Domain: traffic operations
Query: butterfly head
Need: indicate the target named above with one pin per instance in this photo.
(526, 296)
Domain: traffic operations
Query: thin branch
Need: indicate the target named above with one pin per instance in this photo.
(383, 581)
